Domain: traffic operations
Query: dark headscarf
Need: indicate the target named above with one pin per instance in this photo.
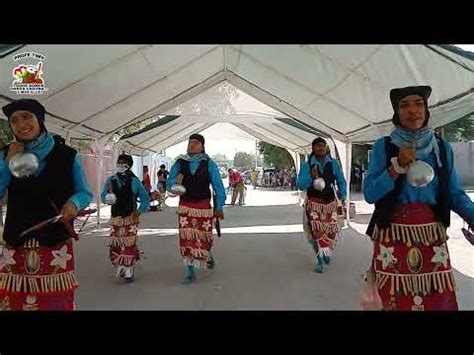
(199, 138)
(396, 95)
(125, 159)
(30, 105)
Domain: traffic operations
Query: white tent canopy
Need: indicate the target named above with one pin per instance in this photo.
(222, 103)
(342, 90)
(288, 93)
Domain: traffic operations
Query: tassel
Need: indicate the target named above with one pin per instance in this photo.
(76, 283)
(435, 284)
(71, 281)
(448, 281)
(453, 281)
(415, 235)
(404, 286)
(415, 284)
(407, 282)
(423, 235)
(429, 235)
(410, 285)
(63, 285)
(46, 284)
(397, 283)
(18, 283)
(49, 283)
(426, 232)
(406, 234)
(375, 233)
(440, 282)
(392, 285)
(68, 282)
(443, 281)
(438, 233)
(9, 280)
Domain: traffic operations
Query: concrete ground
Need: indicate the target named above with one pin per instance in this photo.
(263, 263)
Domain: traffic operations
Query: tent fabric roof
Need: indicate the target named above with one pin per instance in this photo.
(342, 90)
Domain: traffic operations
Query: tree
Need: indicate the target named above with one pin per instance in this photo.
(221, 158)
(275, 156)
(6, 135)
(243, 160)
(461, 130)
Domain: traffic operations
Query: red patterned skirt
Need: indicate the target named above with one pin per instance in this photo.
(411, 262)
(320, 223)
(37, 278)
(196, 221)
(123, 241)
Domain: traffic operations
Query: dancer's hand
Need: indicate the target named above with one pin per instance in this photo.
(406, 156)
(15, 148)
(219, 214)
(314, 172)
(69, 212)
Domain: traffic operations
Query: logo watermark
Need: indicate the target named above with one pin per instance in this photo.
(28, 74)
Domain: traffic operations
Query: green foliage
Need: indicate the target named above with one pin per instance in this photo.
(244, 160)
(461, 130)
(275, 156)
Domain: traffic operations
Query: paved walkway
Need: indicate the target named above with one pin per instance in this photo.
(263, 263)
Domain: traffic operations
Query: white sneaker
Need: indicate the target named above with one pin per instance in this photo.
(129, 274)
(120, 271)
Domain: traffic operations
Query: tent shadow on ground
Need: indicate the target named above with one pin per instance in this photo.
(465, 295)
(362, 218)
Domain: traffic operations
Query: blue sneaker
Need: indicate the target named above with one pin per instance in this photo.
(319, 266)
(188, 280)
(190, 277)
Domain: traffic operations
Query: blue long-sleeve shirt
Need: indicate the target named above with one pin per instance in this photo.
(378, 183)
(41, 147)
(305, 179)
(138, 191)
(216, 180)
